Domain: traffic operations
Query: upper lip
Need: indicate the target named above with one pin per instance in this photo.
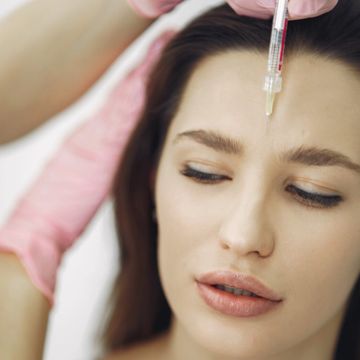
(241, 281)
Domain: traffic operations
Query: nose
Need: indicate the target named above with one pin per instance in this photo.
(246, 227)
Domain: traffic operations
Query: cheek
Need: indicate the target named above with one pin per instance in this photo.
(183, 230)
(179, 224)
(184, 218)
(178, 231)
(322, 261)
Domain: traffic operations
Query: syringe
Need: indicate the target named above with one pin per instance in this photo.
(273, 78)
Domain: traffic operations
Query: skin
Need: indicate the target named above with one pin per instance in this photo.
(24, 313)
(67, 50)
(249, 221)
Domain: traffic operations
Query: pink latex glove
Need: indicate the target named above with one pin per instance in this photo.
(264, 9)
(153, 8)
(71, 188)
(298, 9)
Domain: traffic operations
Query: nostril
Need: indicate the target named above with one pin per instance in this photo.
(224, 245)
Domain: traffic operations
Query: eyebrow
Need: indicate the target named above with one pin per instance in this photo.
(312, 156)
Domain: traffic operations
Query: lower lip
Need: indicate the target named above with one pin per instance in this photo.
(230, 304)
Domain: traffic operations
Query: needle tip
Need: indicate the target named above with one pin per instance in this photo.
(270, 97)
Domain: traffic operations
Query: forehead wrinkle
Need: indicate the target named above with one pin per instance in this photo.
(213, 140)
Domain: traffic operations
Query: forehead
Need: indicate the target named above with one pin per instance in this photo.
(319, 103)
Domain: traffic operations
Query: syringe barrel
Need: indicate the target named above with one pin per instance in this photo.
(274, 60)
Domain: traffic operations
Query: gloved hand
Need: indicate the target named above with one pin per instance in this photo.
(72, 186)
(298, 9)
(264, 9)
(153, 8)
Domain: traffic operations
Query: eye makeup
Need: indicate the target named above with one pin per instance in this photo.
(314, 199)
(203, 177)
(308, 199)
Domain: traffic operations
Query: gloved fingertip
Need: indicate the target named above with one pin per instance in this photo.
(141, 12)
(261, 9)
(307, 9)
(297, 10)
(268, 4)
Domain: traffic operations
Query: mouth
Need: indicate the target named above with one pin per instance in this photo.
(235, 291)
(238, 284)
(233, 304)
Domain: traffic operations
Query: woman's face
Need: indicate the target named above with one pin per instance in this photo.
(256, 214)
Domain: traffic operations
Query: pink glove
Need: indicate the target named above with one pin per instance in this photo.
(72, 186)
(264, 9)
(298, 9)
(153, 8)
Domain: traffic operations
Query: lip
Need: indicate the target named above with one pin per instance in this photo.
(239, 280)
(230, 304)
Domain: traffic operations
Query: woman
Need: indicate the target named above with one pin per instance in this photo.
(236, 194)
(257, 246)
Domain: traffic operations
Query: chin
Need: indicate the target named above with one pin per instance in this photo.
(236, 348)
(217, 337)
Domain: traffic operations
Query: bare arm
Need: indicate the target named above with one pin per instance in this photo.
(53, 52)
(23, 313)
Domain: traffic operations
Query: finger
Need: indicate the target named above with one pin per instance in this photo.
(262, 9)
(301, 9)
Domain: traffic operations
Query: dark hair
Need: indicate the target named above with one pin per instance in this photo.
(139, 309)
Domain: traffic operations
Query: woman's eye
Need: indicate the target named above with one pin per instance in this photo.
(308, 199)
(314, 200)
(203, 177)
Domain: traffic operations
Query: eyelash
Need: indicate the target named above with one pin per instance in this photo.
(312, 200)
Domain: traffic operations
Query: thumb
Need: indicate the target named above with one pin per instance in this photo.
(302, 9)
(262, 9)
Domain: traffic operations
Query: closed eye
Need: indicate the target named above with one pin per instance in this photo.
(307, 199)
(314, 199)
(203, 177)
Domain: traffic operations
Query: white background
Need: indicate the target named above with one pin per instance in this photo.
(87, 270)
